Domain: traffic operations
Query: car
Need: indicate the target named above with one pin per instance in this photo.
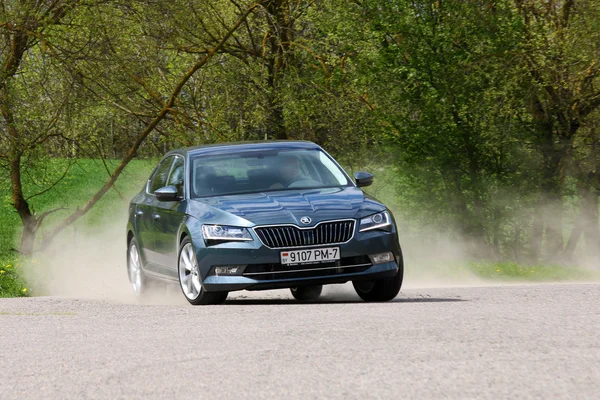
(259, 216)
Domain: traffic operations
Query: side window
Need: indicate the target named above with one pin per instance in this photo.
(177, 175)
(159, 179)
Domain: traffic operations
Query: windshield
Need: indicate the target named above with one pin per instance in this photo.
(259, 171)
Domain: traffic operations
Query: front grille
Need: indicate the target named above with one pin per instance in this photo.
(286, 236)
(346, 265)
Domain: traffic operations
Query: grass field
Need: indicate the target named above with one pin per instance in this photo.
(86, 176)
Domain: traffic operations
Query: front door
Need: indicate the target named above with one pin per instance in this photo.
(168, 217)
(146, 215)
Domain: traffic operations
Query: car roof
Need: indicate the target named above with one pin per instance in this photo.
(234, 147)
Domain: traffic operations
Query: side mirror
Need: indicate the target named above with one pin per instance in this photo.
(363, 179)
(167, 193)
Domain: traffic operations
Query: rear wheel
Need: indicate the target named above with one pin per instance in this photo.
(189, 278)
(137, 278)
(383, 289)
(307, 293)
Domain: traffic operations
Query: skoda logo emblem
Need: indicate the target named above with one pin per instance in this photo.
(305, 220)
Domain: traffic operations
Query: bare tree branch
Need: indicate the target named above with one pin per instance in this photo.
(43, 216)
(56, 182)
(566, 12)
(592, 103)
(103, 158)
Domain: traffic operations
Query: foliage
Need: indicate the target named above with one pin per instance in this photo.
(11, 284)
(443, 64)
(484, 101)
(481, 115)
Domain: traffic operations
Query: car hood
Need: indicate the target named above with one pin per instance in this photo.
(285, 206)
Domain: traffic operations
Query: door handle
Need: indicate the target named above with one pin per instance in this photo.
(139, 213)
(155, 216)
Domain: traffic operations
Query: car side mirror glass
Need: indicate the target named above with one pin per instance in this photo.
(167, 193)
(363, 179)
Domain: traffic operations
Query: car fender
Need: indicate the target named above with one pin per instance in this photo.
(190, 227)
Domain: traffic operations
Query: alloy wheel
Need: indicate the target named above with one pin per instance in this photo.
(189, 275)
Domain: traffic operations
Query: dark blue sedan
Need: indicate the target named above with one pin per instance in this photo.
(259, 216)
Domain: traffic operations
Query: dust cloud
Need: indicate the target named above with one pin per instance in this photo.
(90, 262)
(430, 261)
(86, 262)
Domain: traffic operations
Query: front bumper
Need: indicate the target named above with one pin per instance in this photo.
(257, 256)
(231, 283)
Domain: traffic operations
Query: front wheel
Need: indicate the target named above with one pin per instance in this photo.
(383, 289)
(189, 278)
(307, 293)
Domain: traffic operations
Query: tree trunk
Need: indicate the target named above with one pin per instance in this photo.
(496, 234)
(16, 185)
(548, 218)
(591, 226)
(276, 121)
(551, 204)
(553, 232)
(281, 37)
(537, 234)
(576, 232)
(20, 204)
(28, 235)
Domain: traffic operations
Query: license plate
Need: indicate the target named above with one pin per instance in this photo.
(310, 256)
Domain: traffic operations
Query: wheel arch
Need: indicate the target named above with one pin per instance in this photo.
(183, 235)
(184, 231)
(130, 236)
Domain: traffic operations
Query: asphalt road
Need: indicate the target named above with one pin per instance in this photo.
(507, 342)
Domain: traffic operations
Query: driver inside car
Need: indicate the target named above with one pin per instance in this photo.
(289, 172)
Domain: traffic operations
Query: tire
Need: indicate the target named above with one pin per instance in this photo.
(307, 293)
(135, 271)
(189, 278)
(383, 289)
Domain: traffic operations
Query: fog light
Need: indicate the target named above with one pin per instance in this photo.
(382, 257)
(228, 270)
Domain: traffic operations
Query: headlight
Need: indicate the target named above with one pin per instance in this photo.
(380, 220)
(224, 233)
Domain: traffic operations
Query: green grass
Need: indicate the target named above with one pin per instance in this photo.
(514, 271)
(11, 284)
(84, 178)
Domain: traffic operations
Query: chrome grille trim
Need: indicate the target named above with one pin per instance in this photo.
(286, 236)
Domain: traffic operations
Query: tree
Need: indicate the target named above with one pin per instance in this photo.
(24, 28)
(490, 106)
(40, 46)
(441, 87)
(560, 63)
